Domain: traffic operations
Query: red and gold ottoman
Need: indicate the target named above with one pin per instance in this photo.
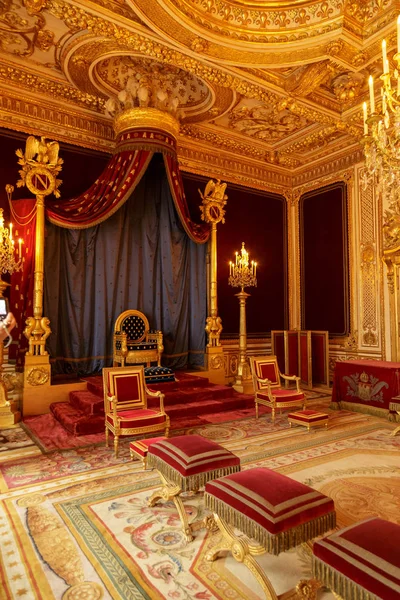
(185, 463)
(360, 562)
(139, 448)
(276, 511)
(308, 418)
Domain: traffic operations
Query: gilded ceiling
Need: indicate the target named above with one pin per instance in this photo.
(273, 85)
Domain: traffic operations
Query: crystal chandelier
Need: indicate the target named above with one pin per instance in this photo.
(382, 132)
(241, 272)
(8, 261)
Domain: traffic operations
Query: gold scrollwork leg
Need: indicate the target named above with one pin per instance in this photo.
(307, 589)
(395, 431)
(243, 551)
(170, 491)
(256, 410)
(106, 437)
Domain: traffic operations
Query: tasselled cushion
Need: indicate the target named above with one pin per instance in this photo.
(274, 509)
(361, 562)
(191, 460)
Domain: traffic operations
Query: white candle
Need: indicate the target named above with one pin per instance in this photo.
(10, 231)
(19, 247)
(398, 33)
(371, 94)
(365, 118)
(230, 267)
(384, 57)
(255, 268)
(236, 254)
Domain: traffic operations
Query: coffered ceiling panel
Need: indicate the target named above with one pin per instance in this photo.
(278, 84)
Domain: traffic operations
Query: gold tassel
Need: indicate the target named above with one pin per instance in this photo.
(369, 410)
(273, 543)
(339, 583)
(193, 482)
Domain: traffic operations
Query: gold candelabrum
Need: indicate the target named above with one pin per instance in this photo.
(9, 263)
(382, 142)
(242, 273)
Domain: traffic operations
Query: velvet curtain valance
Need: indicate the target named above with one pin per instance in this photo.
(118, 180)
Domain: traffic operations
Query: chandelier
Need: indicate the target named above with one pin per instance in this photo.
(382, 132)
(8, 261)
(242, 273)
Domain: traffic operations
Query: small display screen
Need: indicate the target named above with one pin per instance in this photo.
(3, 307)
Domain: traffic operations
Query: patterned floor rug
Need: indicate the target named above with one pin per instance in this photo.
(80, 527)
(16, 443)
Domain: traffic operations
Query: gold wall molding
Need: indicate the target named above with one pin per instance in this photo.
(203, 161)
(23, 79)
(38, 117)
(369, 272)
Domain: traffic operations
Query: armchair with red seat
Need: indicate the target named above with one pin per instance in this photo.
(267, 385)
(125, 404)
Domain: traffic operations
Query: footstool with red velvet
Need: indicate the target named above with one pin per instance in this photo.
(186, 463)
(139, 448)
(308, 418)
(360, 562)
(274, 512)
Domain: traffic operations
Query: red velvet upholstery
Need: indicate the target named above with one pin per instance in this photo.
(284, 395)
(268, 504)
(184, 458)
(126, 386)
(268, 371)
(308, 416)
(364, 558)
(137, 418)
(141, 447)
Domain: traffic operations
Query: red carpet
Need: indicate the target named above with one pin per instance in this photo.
(50, 435)
(188, 397)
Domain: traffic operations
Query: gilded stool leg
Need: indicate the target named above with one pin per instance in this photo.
(116, 445)
(170, 491)
(106, 437)
(273, 415)
(256, 403)
(243, 551)
(395, 431)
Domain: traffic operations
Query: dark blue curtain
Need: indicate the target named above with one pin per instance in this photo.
(139, 258)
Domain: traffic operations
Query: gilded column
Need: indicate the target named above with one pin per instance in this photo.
(294, 280)
(212, 211)
(40, 167)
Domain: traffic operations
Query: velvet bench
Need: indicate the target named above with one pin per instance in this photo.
(360, 562)
(186, 463)
(276, 513)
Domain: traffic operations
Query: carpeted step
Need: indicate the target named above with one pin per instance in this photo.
(75, 421)
(192, 409)
(96, 387)
(87, 402)
(196, 394)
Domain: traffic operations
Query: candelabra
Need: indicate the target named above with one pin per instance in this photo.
(242, 274)
(382, 142)
(8, 264)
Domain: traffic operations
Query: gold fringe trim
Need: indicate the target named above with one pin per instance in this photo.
(193, 482)
(273, 543)
(369, 410)
(334, 406)
(338, 583)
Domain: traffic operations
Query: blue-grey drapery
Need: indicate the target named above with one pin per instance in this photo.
(139, 258)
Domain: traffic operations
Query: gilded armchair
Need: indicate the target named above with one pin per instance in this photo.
(133, 341)
(267, 385)
(125, 404)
